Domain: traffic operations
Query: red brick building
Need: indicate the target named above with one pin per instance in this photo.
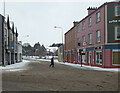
(70, 44)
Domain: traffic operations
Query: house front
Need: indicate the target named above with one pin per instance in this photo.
(98, 36)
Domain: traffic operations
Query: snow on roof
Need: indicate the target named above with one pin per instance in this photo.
(52, 49)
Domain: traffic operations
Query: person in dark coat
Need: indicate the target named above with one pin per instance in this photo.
(52, 62)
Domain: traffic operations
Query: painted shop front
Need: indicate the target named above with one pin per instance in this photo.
(105, 56)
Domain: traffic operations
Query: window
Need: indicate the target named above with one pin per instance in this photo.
(90, 38)
(83, 40)
(89, 21)
(83, 59)
(116, 55)
(98, 57)
(83, 25)
(117, 33)
(78, 40)
(117, 10)
(78, 29)
(98, 36)
(97, 16)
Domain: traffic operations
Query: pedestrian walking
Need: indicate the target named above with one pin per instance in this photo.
(52, 62)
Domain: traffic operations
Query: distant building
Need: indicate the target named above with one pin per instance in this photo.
(70, 44)
(19, 51)
(8, 42)
(61, 53)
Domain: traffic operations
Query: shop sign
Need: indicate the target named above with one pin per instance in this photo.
(114, 21)
(11, 45)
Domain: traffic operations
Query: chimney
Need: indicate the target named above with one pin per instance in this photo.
(91, 9)
(75, 23)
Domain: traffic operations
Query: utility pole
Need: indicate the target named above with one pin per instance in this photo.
(4, 8)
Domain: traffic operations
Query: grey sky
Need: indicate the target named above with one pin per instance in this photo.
(37, 19)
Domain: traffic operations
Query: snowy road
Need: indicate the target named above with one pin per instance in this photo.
(35, 75)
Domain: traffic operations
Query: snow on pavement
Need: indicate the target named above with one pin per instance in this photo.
(15, 67)
(85, 67)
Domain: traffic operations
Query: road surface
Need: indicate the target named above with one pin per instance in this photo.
(38, 76)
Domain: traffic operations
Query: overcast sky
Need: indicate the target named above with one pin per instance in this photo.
(37, 19)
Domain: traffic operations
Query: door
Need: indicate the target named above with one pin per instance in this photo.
(99, 57)
(89, 59)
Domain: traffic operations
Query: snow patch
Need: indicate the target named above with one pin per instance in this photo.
(14, 67)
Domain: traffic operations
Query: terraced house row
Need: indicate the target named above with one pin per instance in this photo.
(10, 48)
(97, 36)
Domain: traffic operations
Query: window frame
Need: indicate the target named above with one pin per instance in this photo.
(116, 31)
(98, 37)
(98, 18)
(78, 41)
(89, 22)
(78, 28)
(83, 37)
(117, 13)
(100, 60)
(89, 40)
(83, 25)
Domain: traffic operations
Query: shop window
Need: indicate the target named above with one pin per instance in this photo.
(78, 57)
(83, 59)
(116, 55)
(98, 57)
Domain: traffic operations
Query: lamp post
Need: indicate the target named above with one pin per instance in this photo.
(24, 37)
(62, 40)
(61, 30)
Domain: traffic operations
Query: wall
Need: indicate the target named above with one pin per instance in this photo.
(19, 52)
(92, 29)
(111, 25)
(1, 24)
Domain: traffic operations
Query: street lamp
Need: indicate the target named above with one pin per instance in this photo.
(62, 54)
(61, 30)
(24, 37)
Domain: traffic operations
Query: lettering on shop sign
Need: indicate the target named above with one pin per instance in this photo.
(114, 21)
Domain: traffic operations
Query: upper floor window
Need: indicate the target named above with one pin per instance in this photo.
(78, 41)
(98, 16)
(83, 40)
(83, 25)
(98, 36)
(117, 33)
(117, 10)
(90, 38)
(89, 21)
(78, 28)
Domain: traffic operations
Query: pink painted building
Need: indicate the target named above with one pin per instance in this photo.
(98, 36)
